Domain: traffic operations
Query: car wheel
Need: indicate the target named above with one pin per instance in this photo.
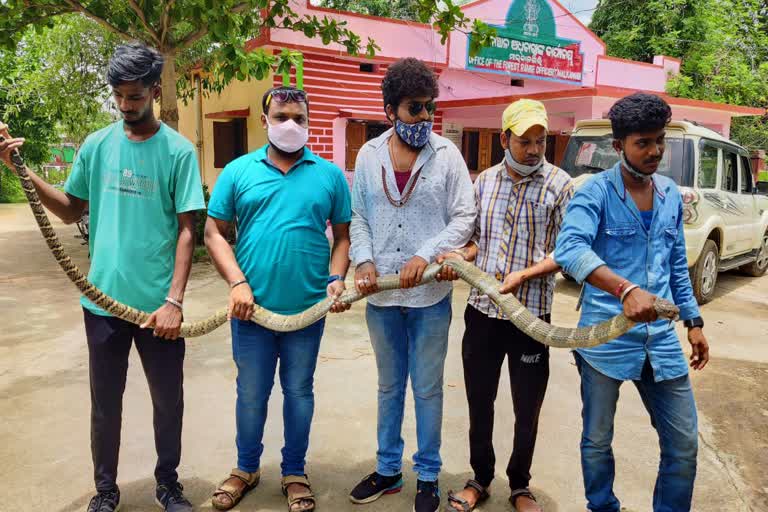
(704, 273)
(758, 267)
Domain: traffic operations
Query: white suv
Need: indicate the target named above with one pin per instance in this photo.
(726, 221)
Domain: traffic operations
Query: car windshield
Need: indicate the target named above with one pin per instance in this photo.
(593, 154)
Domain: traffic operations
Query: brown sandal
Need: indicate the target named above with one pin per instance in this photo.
(297, 497)
(517, 493)
(232, 494)
(464, 504)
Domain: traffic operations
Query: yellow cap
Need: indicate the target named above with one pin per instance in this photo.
(522, 114)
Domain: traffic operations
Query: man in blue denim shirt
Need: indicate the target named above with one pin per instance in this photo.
(623, 235)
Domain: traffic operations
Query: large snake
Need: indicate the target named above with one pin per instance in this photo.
(545, 333)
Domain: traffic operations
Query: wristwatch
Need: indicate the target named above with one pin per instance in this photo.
(694, 322)
(334, 277)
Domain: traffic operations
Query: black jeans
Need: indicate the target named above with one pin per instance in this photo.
(486, 342)
(109, 343)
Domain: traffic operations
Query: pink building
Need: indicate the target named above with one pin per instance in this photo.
(542, 51)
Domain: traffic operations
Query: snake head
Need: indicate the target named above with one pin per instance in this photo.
(666, 310)
(15, 156)
(4, 130)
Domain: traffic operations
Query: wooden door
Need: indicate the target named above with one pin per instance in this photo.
(470, 149)
(496, 154)
(481, 148)
(230, 140)
(560, 143)
(484, 151)
(354, 141)
(490, 151)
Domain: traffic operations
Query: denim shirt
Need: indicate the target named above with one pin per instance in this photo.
(603, 226)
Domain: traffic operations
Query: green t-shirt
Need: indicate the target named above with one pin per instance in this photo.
(281, 220)
(135, 191)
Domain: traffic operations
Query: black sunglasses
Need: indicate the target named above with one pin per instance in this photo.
(288, 95)
(416, 107)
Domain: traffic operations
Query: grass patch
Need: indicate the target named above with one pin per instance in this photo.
(10, 188)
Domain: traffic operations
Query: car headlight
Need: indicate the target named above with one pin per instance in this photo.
(690, 199)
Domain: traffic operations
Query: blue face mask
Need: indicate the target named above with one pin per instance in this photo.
(415, 135)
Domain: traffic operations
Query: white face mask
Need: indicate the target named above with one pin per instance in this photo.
(521, 169)
(640, 176)
(287, 136)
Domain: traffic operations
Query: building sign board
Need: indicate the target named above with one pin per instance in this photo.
(527, 45)
(453, 132)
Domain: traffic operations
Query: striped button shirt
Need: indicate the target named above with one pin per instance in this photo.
(516, 227)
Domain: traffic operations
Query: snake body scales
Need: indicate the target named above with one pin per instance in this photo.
(560, 337)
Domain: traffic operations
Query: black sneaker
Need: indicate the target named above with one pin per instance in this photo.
(105, 502)
(170, 498)
(427, 497)
(374, 486)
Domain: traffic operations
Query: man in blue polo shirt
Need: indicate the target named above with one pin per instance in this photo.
(282, 195)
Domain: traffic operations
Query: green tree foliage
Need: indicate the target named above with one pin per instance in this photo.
(30, 120)
(63, 67)
(723, 45)
(211, 33)
(52, 87)
(751, 132)
(397, 9)
(29, 115)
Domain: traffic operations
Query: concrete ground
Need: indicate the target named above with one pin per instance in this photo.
(44, 433)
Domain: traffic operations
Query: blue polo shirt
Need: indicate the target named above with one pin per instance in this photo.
(281, 220)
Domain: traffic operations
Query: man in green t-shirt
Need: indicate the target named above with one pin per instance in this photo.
(141, 183)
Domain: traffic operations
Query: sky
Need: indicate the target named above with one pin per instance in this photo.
(587, 6)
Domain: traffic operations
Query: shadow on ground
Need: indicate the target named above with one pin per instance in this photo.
(331, 484)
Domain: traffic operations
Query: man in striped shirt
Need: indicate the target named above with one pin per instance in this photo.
(521, 203)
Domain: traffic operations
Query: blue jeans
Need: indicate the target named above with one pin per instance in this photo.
(672, 409)
(256, 351)
(410, 341)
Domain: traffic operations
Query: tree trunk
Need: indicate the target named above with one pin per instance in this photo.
(169, 105)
